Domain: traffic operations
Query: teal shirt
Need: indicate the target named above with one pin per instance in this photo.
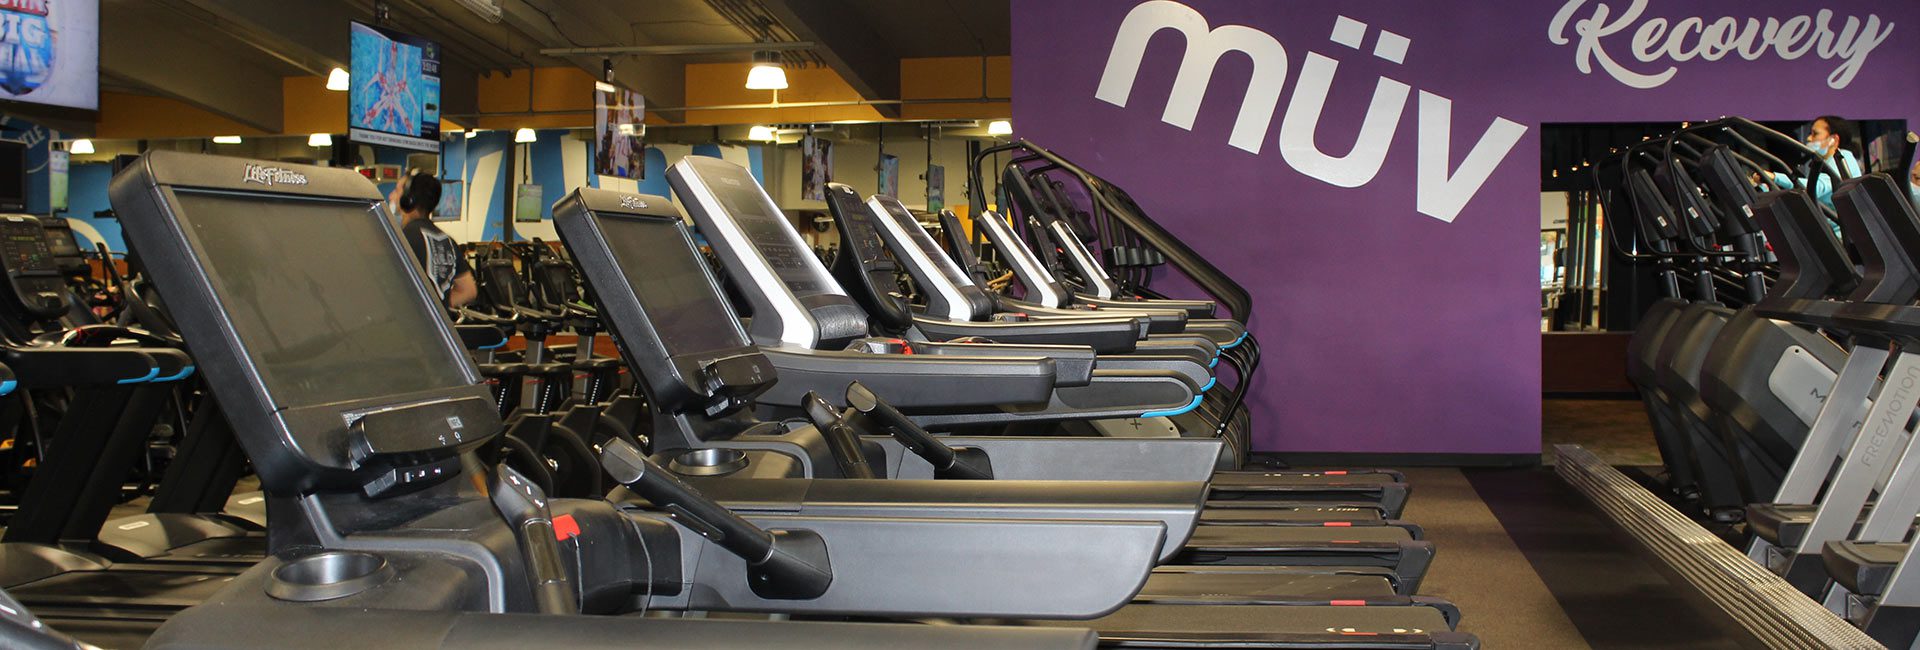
(1823, 184)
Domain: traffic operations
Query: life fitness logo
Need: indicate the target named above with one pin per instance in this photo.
(1633, 51)
(270, 176)
(1439, 192)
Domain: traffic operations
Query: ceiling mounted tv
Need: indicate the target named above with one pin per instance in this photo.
(50, 52)
(394, 89)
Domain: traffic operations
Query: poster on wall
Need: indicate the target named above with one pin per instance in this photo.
(890, 175)
(816, 168)
(936, 188)
(50, 52)
(617, 132)
(57, 180)
(451, 193)
(527, 203)
(394, 92)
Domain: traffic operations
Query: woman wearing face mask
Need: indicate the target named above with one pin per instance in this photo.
(1913, 184)
(1832, 138)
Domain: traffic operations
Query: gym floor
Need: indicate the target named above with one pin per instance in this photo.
(1533, 566)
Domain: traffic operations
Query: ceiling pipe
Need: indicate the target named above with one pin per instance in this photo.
(728, 107)
(668, 50)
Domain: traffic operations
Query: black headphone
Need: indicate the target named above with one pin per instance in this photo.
(419, 189)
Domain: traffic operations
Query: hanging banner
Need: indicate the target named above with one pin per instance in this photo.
(617, 131)
(936, 188)
(816, 168)
(528, 202)
(889, 175)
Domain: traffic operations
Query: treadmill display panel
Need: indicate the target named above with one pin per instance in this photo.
(768, 231)
(25, 247)
(923, 241)
(863, 237)
(60, 238)
(1008, 243)
(323, 302)
(1082, 257)
(666, 273)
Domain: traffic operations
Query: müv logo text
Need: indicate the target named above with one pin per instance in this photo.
(1439, 193)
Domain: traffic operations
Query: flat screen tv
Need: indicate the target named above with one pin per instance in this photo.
(394, 89)
(50, 53)
(13, 176)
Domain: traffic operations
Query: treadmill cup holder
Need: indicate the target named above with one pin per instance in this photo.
(709, 462)
(328, 575)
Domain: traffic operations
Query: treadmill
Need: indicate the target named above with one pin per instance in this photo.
(800, 311)
(361, 411)
(1385, 487)
(51, 555)
(618, 256)
(396, 531)
(1128, 237)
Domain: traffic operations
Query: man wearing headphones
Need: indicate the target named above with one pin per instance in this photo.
(414, 199)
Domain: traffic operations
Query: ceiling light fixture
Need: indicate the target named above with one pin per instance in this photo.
(337, 80)
(766, 73)
(763, 134)
(82, 147)
(320, 140)
(999, 128)
(472, 132)
(524, 135)
(226, 139)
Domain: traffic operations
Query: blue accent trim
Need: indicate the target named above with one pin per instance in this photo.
(151, 373)
(496, 346)
(1210, 383)
(1214, 362)
(183, 374)
(8, 386)
(1173, 412)
(1236, 342)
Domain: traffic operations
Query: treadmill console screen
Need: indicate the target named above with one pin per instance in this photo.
(920, 239)
(1082, 257)
(318, 330)
(60, 239)
(26, 247)
(768, 231)
(671, 280)
(1009, 244)
(862, 236)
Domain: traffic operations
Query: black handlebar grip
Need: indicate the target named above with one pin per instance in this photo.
(841, 440)
(783, 564)
(946, 462)
(525, 508)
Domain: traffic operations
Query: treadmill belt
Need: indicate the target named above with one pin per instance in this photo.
(104, 633)
(1256, 537)
(144, 589)
(1173, 620)
(1303, 514)
(242, 551)
(1259, 587)
(1240, 480)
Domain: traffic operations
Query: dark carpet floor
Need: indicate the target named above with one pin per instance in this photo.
(1615, 598)
(1616, 430)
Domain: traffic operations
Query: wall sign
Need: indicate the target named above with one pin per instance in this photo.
(1370, 171)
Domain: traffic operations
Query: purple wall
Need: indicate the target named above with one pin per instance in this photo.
(1393, 322)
